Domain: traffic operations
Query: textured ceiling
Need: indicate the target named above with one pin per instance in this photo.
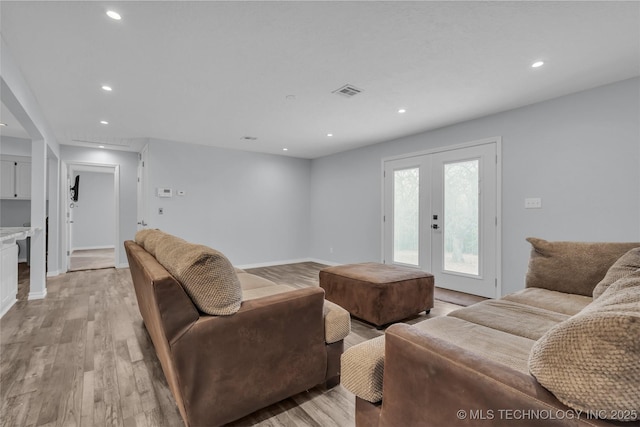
(215, 72)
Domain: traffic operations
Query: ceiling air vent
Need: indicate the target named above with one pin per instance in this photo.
(249, 138)
(348, 91)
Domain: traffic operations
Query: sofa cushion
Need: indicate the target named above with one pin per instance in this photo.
(502, 347)
(559, 302)
(362, 368)
(624, 266)
(250, 281)
(571, 267)
(205, 274)
(591, 362)
(337, 322)
(511, 317)
(265, 291)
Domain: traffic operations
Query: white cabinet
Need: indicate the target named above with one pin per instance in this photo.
(23, 180)
(7, 179)
(15, 174)
(8, 275)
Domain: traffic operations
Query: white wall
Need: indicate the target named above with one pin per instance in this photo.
(16, 213)
(252, 207)
(94, 221)
(580, 153)
(128, 163)
(12, 146)
(17, 97)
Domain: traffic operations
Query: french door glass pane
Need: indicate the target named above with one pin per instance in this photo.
(461, 235)
(406, 215)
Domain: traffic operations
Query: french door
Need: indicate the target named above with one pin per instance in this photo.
(440, 215)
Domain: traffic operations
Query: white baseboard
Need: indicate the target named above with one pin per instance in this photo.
(53, 273)
(37, 295)
(325, 262)
(272, 263)
(7, 307)
(91, 248)
(288, 261)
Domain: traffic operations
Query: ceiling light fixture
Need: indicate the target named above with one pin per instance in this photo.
(402, 110)
(114, 15)
(285, 149)
(106, 88)
(104, 122)
(100, 146)
(329, 135)
(537, 64)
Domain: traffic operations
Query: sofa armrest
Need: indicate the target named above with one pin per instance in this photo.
(272, 348)
(429, 380)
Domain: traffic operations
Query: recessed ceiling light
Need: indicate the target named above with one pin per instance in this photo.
(114, 15)
(329, 134)
(402, 110)
(107, 88)
(104, 122)
(100, 146)
(537, 64)
(285, 149)
(3, 124)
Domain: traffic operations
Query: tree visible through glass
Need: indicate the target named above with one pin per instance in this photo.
(406, 215)
(461, 219)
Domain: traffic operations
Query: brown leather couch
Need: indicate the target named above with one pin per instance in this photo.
(280, 342)
(473, 367)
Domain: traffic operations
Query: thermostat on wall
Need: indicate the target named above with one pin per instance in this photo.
(165, 192)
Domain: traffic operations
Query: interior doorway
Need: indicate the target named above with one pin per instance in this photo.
(441, 215)
(92, 224)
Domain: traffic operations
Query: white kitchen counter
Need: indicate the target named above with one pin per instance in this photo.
(9, 263)
(11, 234)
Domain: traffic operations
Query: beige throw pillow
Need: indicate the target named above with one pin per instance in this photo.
(153, 239)
(591, 362)
(205, 274)
(571, 267)
(142, 235)
(624, 266)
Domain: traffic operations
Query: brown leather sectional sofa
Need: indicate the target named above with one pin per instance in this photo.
(280, 341)
(565, 351)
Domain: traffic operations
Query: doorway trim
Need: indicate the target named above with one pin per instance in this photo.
(91, 167)
(497, 140)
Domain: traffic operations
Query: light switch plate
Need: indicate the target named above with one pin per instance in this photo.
(533, 203)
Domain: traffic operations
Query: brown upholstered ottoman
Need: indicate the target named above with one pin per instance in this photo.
(378, 293)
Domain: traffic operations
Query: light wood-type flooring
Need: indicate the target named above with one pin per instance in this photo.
(82, 357)
(91, 259)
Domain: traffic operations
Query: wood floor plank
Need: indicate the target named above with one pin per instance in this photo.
(86, 414)
(82, 357)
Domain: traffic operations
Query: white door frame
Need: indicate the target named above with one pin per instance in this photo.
(71, 168)
(142, 188)
(493, 140)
